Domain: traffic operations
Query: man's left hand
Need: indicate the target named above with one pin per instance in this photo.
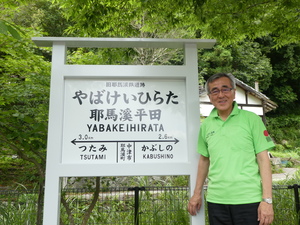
(265, 213)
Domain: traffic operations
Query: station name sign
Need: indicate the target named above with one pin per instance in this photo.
(124, 121)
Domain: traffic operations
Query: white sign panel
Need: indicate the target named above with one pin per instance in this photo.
(124, 121)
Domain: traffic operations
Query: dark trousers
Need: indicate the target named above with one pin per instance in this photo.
(245, 214)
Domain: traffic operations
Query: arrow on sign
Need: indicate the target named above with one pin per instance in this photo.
(175, 141)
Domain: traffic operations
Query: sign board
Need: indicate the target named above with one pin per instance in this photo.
(124, 121)
(121, 120)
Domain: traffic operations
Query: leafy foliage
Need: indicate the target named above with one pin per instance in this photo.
(126, 18)
(228, 21)
(286, 76)
(24, 79)
(41, 15)
(244, 60)
(232, 21)
(286, 127)
(7, 28)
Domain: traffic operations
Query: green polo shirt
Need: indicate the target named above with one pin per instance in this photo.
(232, 146)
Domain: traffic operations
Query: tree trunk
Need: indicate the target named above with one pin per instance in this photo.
(87, 214)
(40, 205)
(68, 210)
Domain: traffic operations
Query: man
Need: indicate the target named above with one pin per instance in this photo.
(233, 146)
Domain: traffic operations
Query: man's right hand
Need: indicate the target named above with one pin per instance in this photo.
(194, 204)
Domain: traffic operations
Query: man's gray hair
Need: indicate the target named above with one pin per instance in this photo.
(217, 76)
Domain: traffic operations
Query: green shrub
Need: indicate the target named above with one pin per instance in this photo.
(286, 127)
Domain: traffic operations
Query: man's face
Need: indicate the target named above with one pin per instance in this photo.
(222, 100)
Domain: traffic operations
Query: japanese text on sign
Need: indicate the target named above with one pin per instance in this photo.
(124, 122)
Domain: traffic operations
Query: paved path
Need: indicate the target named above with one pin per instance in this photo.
(287, 174)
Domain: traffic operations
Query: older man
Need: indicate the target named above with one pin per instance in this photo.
(233, 146)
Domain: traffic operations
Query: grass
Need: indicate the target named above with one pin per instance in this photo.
(18, 211)
(156, 207)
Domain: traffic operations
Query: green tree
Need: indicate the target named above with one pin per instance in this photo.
(284, 86)
(24, 94)
(228, 21)
(41, 15)
(128, 18)
(244, 60)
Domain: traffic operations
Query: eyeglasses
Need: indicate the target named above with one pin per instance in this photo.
(223, 90)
